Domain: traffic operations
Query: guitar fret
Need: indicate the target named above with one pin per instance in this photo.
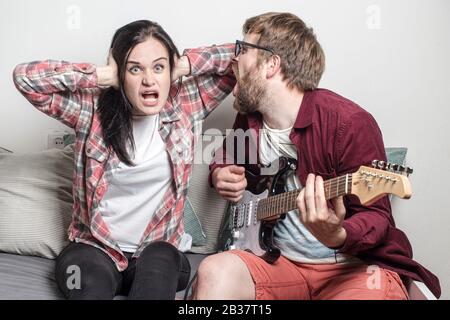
(277, 204)
(346, 183)
(338, 184)
(336, 190)
(329, 190)
(288, 200)
(286, 204)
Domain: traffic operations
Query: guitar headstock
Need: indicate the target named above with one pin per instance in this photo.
(370, 184)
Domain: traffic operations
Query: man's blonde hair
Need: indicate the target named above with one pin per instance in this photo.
(302, 57)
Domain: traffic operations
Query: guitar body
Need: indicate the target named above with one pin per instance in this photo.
(248, 232)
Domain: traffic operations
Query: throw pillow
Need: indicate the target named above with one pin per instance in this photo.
(35, 202)
(192, 225)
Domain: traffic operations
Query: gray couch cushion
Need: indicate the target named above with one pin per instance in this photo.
(27, 278)
(32, 278)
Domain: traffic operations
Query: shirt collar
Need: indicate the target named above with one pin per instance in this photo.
(304, 117)
(169, 115)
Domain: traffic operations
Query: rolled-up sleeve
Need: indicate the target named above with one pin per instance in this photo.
(360, 141)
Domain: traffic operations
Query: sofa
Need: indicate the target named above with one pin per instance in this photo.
(35, 210)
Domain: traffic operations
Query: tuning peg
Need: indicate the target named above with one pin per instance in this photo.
(409, 171)
(375, 163)
(381, 165)
(389, 166)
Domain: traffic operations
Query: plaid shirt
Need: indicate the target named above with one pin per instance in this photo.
(69, 93)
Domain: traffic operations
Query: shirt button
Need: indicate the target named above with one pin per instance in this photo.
(100, 191)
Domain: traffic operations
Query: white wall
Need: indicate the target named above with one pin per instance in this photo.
(391, 57)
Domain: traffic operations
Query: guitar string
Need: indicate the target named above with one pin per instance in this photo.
(282, 201)
(337, 186)
(327, 184)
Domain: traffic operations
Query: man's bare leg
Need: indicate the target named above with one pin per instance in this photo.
(224, 276)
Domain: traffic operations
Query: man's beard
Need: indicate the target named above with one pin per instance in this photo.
(250, 95)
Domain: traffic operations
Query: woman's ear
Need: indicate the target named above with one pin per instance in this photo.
(273, 66)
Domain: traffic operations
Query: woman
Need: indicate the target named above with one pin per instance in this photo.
(135, 135)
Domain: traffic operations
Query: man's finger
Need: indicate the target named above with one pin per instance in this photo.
(321, 202)
(237, 170)
(339, 207)
(232, 177)
(310, 198)
(233, 187)
(228, 194)
(301, 205)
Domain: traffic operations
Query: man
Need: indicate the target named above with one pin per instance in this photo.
(330, 250)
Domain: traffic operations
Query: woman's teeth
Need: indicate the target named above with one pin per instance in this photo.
(150, 99)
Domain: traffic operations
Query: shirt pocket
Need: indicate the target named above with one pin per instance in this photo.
(95, 163)
(96, 148)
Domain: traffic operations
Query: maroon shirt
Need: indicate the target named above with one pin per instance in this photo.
(335, 136)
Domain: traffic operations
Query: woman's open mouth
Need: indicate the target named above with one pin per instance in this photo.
(150, 98)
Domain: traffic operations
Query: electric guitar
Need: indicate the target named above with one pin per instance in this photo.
(254, 217)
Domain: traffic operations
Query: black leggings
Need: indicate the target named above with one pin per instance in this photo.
(159, 272)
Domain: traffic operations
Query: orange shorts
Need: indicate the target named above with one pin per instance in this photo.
(289, 280)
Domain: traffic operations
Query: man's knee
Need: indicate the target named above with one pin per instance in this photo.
(219, 270)
(224, 276)
(209, 268)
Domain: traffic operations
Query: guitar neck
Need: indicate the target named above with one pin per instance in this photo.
(285, 202)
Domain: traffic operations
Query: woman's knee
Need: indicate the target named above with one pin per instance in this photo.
(160, 252)
(160, 270)
(82, 256)
(82, 270)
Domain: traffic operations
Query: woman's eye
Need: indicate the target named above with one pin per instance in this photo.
(135, 69)
(159, 68)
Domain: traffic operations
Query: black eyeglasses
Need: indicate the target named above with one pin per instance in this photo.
(241, 44)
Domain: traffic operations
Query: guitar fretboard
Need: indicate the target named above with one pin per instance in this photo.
(285, 202)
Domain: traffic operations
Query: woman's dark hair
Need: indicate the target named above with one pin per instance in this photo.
(114, 108)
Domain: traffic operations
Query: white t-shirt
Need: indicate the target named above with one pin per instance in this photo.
(134, 193)
(290, 235)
